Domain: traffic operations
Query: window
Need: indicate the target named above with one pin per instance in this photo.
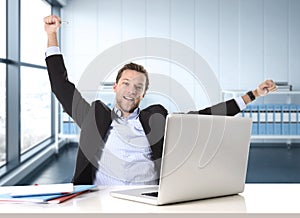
(33, 36)
(26, 110)
(2, 114)
(35, 107)
(2, 28)
(35, 87)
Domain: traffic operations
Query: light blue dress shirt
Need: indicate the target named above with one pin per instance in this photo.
(126, 156)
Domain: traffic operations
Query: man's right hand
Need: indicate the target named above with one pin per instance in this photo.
(52, 24)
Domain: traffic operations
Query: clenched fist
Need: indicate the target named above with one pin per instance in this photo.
(52, 24)
(266, 87)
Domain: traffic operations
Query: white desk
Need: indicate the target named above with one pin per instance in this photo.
(260, 199)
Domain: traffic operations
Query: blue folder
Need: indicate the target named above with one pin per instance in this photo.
(286, 119)
(293, 119)
(298, 119)
(262, 118)
(44, 198)
(270, 119)
(253, 110)
(278, 119)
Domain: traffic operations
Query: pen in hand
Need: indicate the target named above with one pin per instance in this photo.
(63, 22)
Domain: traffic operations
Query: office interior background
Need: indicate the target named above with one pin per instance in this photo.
(243, 42)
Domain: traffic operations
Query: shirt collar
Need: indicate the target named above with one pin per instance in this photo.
(132, 116)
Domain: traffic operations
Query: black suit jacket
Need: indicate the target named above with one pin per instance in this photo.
(95, 119)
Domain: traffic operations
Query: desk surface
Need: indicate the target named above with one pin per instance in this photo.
(257, 198)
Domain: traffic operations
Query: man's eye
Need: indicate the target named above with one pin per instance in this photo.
(126, 83)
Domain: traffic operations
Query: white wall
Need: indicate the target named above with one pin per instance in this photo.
(243, 41)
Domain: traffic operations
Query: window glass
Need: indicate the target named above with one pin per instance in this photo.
(33, 36)
(35, 107)
(2, 28)
(2, 113)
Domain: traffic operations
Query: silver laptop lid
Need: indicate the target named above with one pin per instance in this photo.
(203, 156)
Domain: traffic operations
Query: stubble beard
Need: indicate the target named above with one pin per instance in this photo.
(127, 106)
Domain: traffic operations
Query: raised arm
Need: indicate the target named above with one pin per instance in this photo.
(65, 91)
(231, 107)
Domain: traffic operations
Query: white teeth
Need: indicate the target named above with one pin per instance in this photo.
(129, 98)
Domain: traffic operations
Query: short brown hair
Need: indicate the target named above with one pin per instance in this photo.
(136, 67)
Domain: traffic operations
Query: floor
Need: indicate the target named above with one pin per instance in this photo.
(267, 164)
(59, 169)
(274, 164)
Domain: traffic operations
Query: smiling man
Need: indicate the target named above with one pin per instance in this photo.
(122, 146)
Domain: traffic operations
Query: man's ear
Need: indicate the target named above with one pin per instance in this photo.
(115, 87)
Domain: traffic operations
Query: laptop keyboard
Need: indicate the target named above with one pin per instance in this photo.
(152, 194)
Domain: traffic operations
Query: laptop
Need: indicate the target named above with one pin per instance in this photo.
(204, 156)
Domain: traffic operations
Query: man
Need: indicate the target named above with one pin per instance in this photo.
(123, 145)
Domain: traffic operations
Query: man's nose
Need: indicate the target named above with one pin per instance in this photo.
(132, 90)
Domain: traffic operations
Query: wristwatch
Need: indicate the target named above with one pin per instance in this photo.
(251, 95)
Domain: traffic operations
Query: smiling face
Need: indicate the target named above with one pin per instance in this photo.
(130, 90)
